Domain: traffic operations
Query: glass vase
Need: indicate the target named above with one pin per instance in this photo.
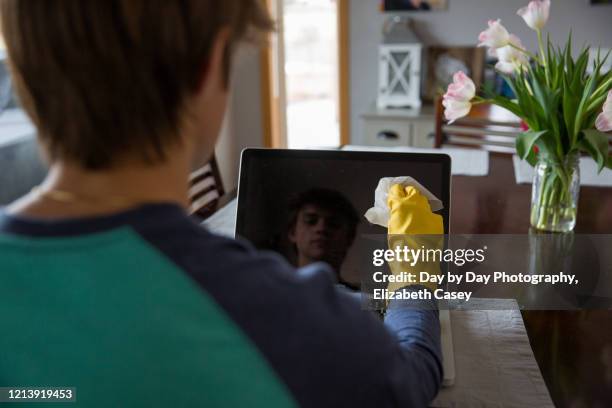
(554, 195)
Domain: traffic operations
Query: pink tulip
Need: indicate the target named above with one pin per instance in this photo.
(510, 58)
(456, 100)
(454, 109)
(495, 36)
(492, 52)
(603, 123)
(535, 13)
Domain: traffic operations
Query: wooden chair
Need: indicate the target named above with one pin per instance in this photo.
(205, 189)
(488, 127)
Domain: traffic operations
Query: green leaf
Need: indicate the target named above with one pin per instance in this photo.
(599, 61)
(534, 115)
(586, 94)
(596, 144)
(525, 142)
(609, 162)
(507, 104)
(541, 95)
(569, 108)
(567, 55)
(603, 86)
(596, 104)
(579, 71)
(586, 147)
(532, 158)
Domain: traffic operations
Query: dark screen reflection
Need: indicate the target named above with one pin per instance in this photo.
(321, 227)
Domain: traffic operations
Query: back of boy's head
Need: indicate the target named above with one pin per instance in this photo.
(103, 77)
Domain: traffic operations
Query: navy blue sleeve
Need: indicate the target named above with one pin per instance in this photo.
(417, 331)
(326, 349)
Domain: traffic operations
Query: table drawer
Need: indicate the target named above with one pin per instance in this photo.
(423, 133)
(387, 132)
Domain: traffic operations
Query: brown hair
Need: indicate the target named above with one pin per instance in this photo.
(101, 78)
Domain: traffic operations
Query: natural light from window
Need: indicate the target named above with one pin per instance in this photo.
(311, 68)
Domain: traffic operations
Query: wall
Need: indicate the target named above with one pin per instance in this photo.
(243, 126)
(460, 25)
(21, 168)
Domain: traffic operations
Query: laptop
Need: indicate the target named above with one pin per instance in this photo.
(274, 181)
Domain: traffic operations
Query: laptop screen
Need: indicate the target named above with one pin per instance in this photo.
(309, 205)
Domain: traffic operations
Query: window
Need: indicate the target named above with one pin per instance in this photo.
(305, 74)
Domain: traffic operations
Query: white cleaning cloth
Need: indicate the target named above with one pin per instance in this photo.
(379, 214)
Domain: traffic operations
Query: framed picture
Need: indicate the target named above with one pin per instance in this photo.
(442, 62)
(413, 5)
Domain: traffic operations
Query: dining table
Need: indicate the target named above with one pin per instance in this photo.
(573, 349)
(548, 357)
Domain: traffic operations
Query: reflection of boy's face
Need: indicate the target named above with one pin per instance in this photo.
(320, 235)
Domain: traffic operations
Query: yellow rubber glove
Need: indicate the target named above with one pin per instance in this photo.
(413, 224)
(410, 213)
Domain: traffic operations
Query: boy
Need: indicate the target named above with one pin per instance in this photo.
(108, 286)
(322, 227)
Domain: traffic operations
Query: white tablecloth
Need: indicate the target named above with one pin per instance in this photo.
(523, 173)
(494, 363)
(464, 162)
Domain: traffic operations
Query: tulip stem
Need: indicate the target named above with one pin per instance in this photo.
(541, 45)
(601, 89)
(554, 206)
(543, 54)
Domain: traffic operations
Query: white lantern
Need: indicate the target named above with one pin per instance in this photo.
(399, 67)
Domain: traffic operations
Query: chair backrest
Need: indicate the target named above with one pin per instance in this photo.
(488, 127)
(205, 189)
